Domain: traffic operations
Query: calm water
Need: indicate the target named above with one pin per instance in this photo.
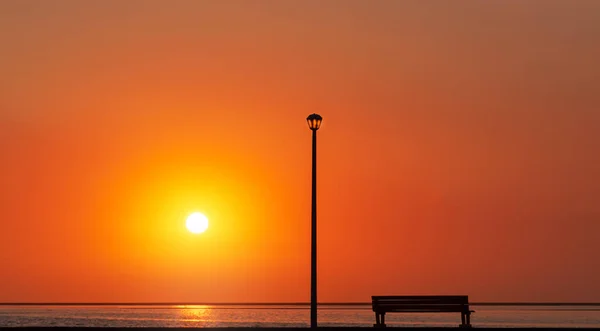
(287, 316)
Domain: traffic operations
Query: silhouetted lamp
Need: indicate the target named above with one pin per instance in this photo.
(314, 123)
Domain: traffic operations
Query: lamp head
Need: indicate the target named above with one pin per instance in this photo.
(314, 121)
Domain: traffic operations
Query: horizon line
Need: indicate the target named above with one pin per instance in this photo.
(483, 303)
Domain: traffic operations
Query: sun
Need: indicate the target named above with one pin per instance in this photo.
(196, 223)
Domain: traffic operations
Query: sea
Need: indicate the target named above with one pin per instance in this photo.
(288, 315)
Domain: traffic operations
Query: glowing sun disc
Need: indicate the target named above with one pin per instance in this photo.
(196, 223)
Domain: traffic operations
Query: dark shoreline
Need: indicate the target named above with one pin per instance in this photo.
(303, 329)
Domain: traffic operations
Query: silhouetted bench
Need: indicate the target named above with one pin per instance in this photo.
(422, 304)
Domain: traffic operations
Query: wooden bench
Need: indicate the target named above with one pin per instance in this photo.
(422, 304)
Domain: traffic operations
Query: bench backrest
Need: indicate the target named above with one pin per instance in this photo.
(430, 303)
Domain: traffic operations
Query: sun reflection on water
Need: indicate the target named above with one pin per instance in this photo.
(195, 313)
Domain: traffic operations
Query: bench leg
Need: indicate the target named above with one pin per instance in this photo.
(465, 318)
(379, 320)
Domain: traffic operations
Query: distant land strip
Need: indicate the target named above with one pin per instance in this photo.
(275, 304)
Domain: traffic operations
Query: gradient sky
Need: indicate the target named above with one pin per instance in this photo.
(459, 152)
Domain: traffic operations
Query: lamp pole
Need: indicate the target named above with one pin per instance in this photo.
(314, 122)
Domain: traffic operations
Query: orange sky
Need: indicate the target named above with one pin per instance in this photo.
(458, 153)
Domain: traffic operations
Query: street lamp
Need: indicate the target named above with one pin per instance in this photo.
(314, 122)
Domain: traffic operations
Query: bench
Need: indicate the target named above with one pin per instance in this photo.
(422, 304)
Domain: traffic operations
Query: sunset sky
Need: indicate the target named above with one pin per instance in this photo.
(459, 152)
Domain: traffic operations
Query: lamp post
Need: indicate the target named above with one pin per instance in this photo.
(314, 122)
